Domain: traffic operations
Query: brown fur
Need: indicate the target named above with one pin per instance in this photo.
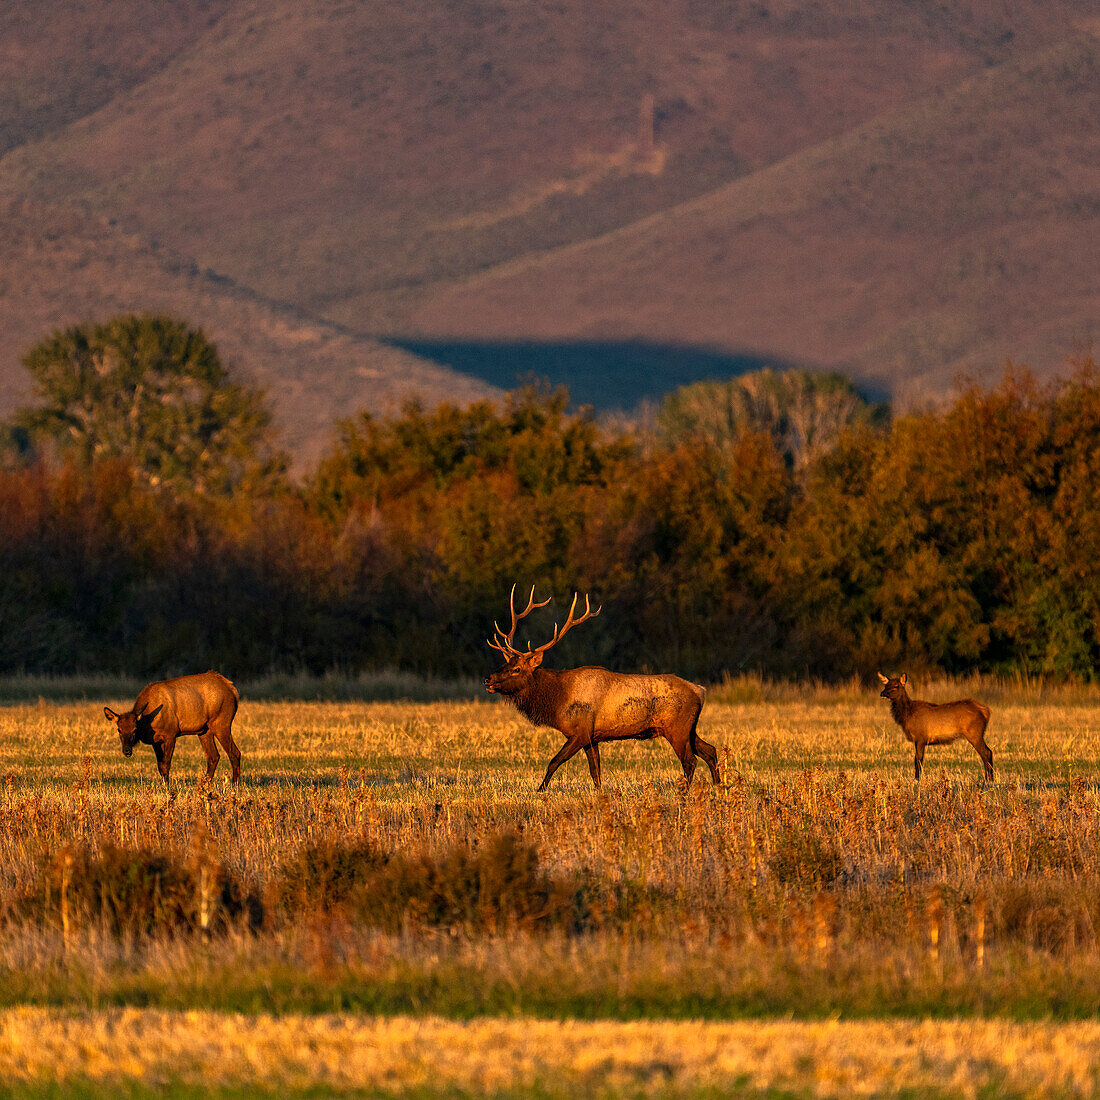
(203, 705)
(591, 705)
(937, 723)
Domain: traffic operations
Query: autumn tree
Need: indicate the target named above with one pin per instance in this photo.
(152, 391)
(961, 538)
(964, 537)
(803, 412)
(533, 434)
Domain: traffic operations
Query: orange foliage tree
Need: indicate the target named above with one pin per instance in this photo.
(964, 537)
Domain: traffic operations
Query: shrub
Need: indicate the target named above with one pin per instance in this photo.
(800, 856)
(1047, 917)
(495, 884)
(138, 891)
(323, 874)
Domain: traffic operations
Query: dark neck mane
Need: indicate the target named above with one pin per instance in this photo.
(536, 701)
(900, 707)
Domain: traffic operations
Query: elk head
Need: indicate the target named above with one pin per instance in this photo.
(892, 686)
(128, 724)
(519, 664)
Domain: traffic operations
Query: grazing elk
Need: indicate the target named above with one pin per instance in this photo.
(937, 723)
(589, 705)
(204, 705)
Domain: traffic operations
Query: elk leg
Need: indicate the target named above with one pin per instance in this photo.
(158, 750)
(164, 752)
(593, 753)
(225, 739)
(709, 753)
(918, 758)
(984, 751)
(687, 761)
(569, 749)
(207, 741)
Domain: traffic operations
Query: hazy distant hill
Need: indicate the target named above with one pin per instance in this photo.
(894, 187)
(945, 238)
(60, 62)
(57, 266)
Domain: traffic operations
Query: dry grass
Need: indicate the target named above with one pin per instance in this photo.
(835, 775)
(432, 1056)
(817, 880)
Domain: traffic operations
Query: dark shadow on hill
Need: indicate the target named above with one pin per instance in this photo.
(607, 374)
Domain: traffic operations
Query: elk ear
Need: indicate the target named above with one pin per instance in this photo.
(111, 716)
(152, 714)
(884, 679)
(904, 679)
(534, 659)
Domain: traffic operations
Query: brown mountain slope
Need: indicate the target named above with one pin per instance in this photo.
(481, 167)
(944, 238)
(60, 62)
(340, 156)
(58, 267)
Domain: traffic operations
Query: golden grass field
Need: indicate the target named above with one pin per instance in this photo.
(487, 1057)
(782, 934)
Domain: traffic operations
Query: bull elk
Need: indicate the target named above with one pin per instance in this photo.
(204, 705)
(590, 705)
(937, 723)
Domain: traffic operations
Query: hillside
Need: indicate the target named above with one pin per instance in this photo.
(944, 239)
(480, 177)
(60, 62)
(313, 371)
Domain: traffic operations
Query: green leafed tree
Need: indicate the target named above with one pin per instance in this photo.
(151, 390)
(803, 412)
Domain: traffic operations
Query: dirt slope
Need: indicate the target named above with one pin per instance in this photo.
(892, 187)
(947, 237)
(72, 268)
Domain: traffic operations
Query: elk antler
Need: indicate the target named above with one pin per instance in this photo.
(504, 641)
(570, 622)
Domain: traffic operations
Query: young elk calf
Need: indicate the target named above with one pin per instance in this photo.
(590, 705)
(937, 723)
(204, 705)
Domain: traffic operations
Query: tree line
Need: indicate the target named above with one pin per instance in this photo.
(823, 538)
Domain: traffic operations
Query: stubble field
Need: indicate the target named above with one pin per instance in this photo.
(385, 905)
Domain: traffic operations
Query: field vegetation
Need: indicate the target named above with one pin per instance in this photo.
(386, 857)
(959, 539)
(147, 1052)
(392, 859)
